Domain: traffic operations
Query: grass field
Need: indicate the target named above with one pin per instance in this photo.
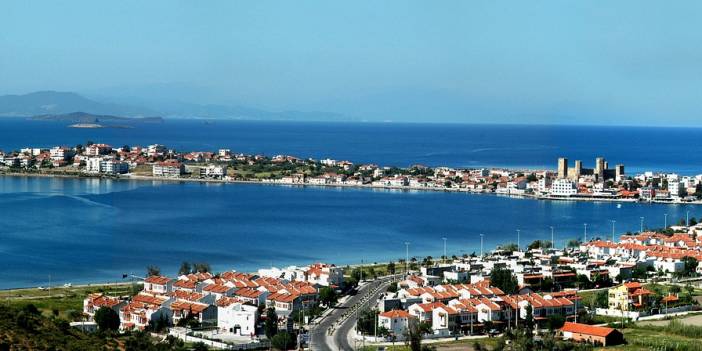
(59, 299)
(461, 345)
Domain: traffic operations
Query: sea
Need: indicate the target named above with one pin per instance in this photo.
(62, 230)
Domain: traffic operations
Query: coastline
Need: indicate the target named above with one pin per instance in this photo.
(133, 177)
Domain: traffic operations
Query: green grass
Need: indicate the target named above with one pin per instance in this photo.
(674, 336)
(60, 299)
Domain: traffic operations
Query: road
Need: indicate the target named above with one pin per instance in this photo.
(342, 318)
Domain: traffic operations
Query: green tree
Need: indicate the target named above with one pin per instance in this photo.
(284, 341)
(601, 299)
(152, 270)
(200, 346)
(201, 267)
(185, 268)
(328, 296)
(690, 266)
(529, 320)
(555, 321)
(391, 267)
(107, 319)
(366, 322)
(270, 327)
(502, 278)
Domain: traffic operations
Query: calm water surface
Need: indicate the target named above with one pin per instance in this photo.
(94, 230)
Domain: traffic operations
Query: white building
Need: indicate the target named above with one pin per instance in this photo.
(235, 317)
(396, 321)
(60, 153)
(170, 169)
(563, 187)
(105, 165)
(214, 171)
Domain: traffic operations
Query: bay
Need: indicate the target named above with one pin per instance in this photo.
(91, 230)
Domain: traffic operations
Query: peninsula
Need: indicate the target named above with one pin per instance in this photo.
(600, 183)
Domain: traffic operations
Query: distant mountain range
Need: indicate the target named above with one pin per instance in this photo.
(43, 104)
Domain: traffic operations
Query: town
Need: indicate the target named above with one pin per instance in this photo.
(592, 292)
(600, 183)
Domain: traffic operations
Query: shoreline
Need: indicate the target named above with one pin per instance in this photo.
(351, 186)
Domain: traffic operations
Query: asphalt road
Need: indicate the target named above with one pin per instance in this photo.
(343, 318)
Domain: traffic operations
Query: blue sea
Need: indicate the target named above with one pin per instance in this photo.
(91, 230)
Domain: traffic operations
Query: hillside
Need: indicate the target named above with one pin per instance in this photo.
(53, 102)
(43, 104)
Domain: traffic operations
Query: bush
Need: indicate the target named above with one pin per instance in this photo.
(284, 341)
(107, 319)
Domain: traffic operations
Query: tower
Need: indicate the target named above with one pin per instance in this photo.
(599, 168)
(562, 167)
(578, 170)
(619, 172)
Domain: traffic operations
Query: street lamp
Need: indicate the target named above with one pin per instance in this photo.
(665, 223)
(407, 257)
(444, 239)
(518, 246)
(642, 220)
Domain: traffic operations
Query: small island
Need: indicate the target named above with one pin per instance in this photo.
(93, 121)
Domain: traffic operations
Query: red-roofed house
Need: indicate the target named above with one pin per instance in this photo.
(591, 334)
(396, 321)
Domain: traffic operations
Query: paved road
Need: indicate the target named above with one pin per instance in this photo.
(343, 319)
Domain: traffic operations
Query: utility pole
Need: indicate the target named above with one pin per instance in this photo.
(361, 271)
(642, 221)
(407, 257)
(518, 246)
(481, 244)
(687, 218)
(665, 223)
(585, 233)
(613, 221)
(444, 249)
(553, 243)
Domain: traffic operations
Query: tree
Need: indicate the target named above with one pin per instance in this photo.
(328, 296)
(107, 319)
(601, 299)
(414, 335)
(529, 320)
(152, 270)
(270, 327)
(200, 346)
(184, 269)
(283, 341)
(555, 321)
(366, 322)
(690, 266)
(201, 267)
(510, 247)
(391, 267)
(502, 278)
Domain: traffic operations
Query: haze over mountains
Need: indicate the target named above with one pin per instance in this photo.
(57, 103)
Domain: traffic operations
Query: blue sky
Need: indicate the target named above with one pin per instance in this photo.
(623, 62)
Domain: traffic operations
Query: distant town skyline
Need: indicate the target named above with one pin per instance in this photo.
(546, 62)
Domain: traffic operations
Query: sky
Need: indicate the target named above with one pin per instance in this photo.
(561, 62)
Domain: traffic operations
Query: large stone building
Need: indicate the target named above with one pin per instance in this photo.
(601, 172)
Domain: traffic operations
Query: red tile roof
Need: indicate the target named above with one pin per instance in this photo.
(586, 329)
